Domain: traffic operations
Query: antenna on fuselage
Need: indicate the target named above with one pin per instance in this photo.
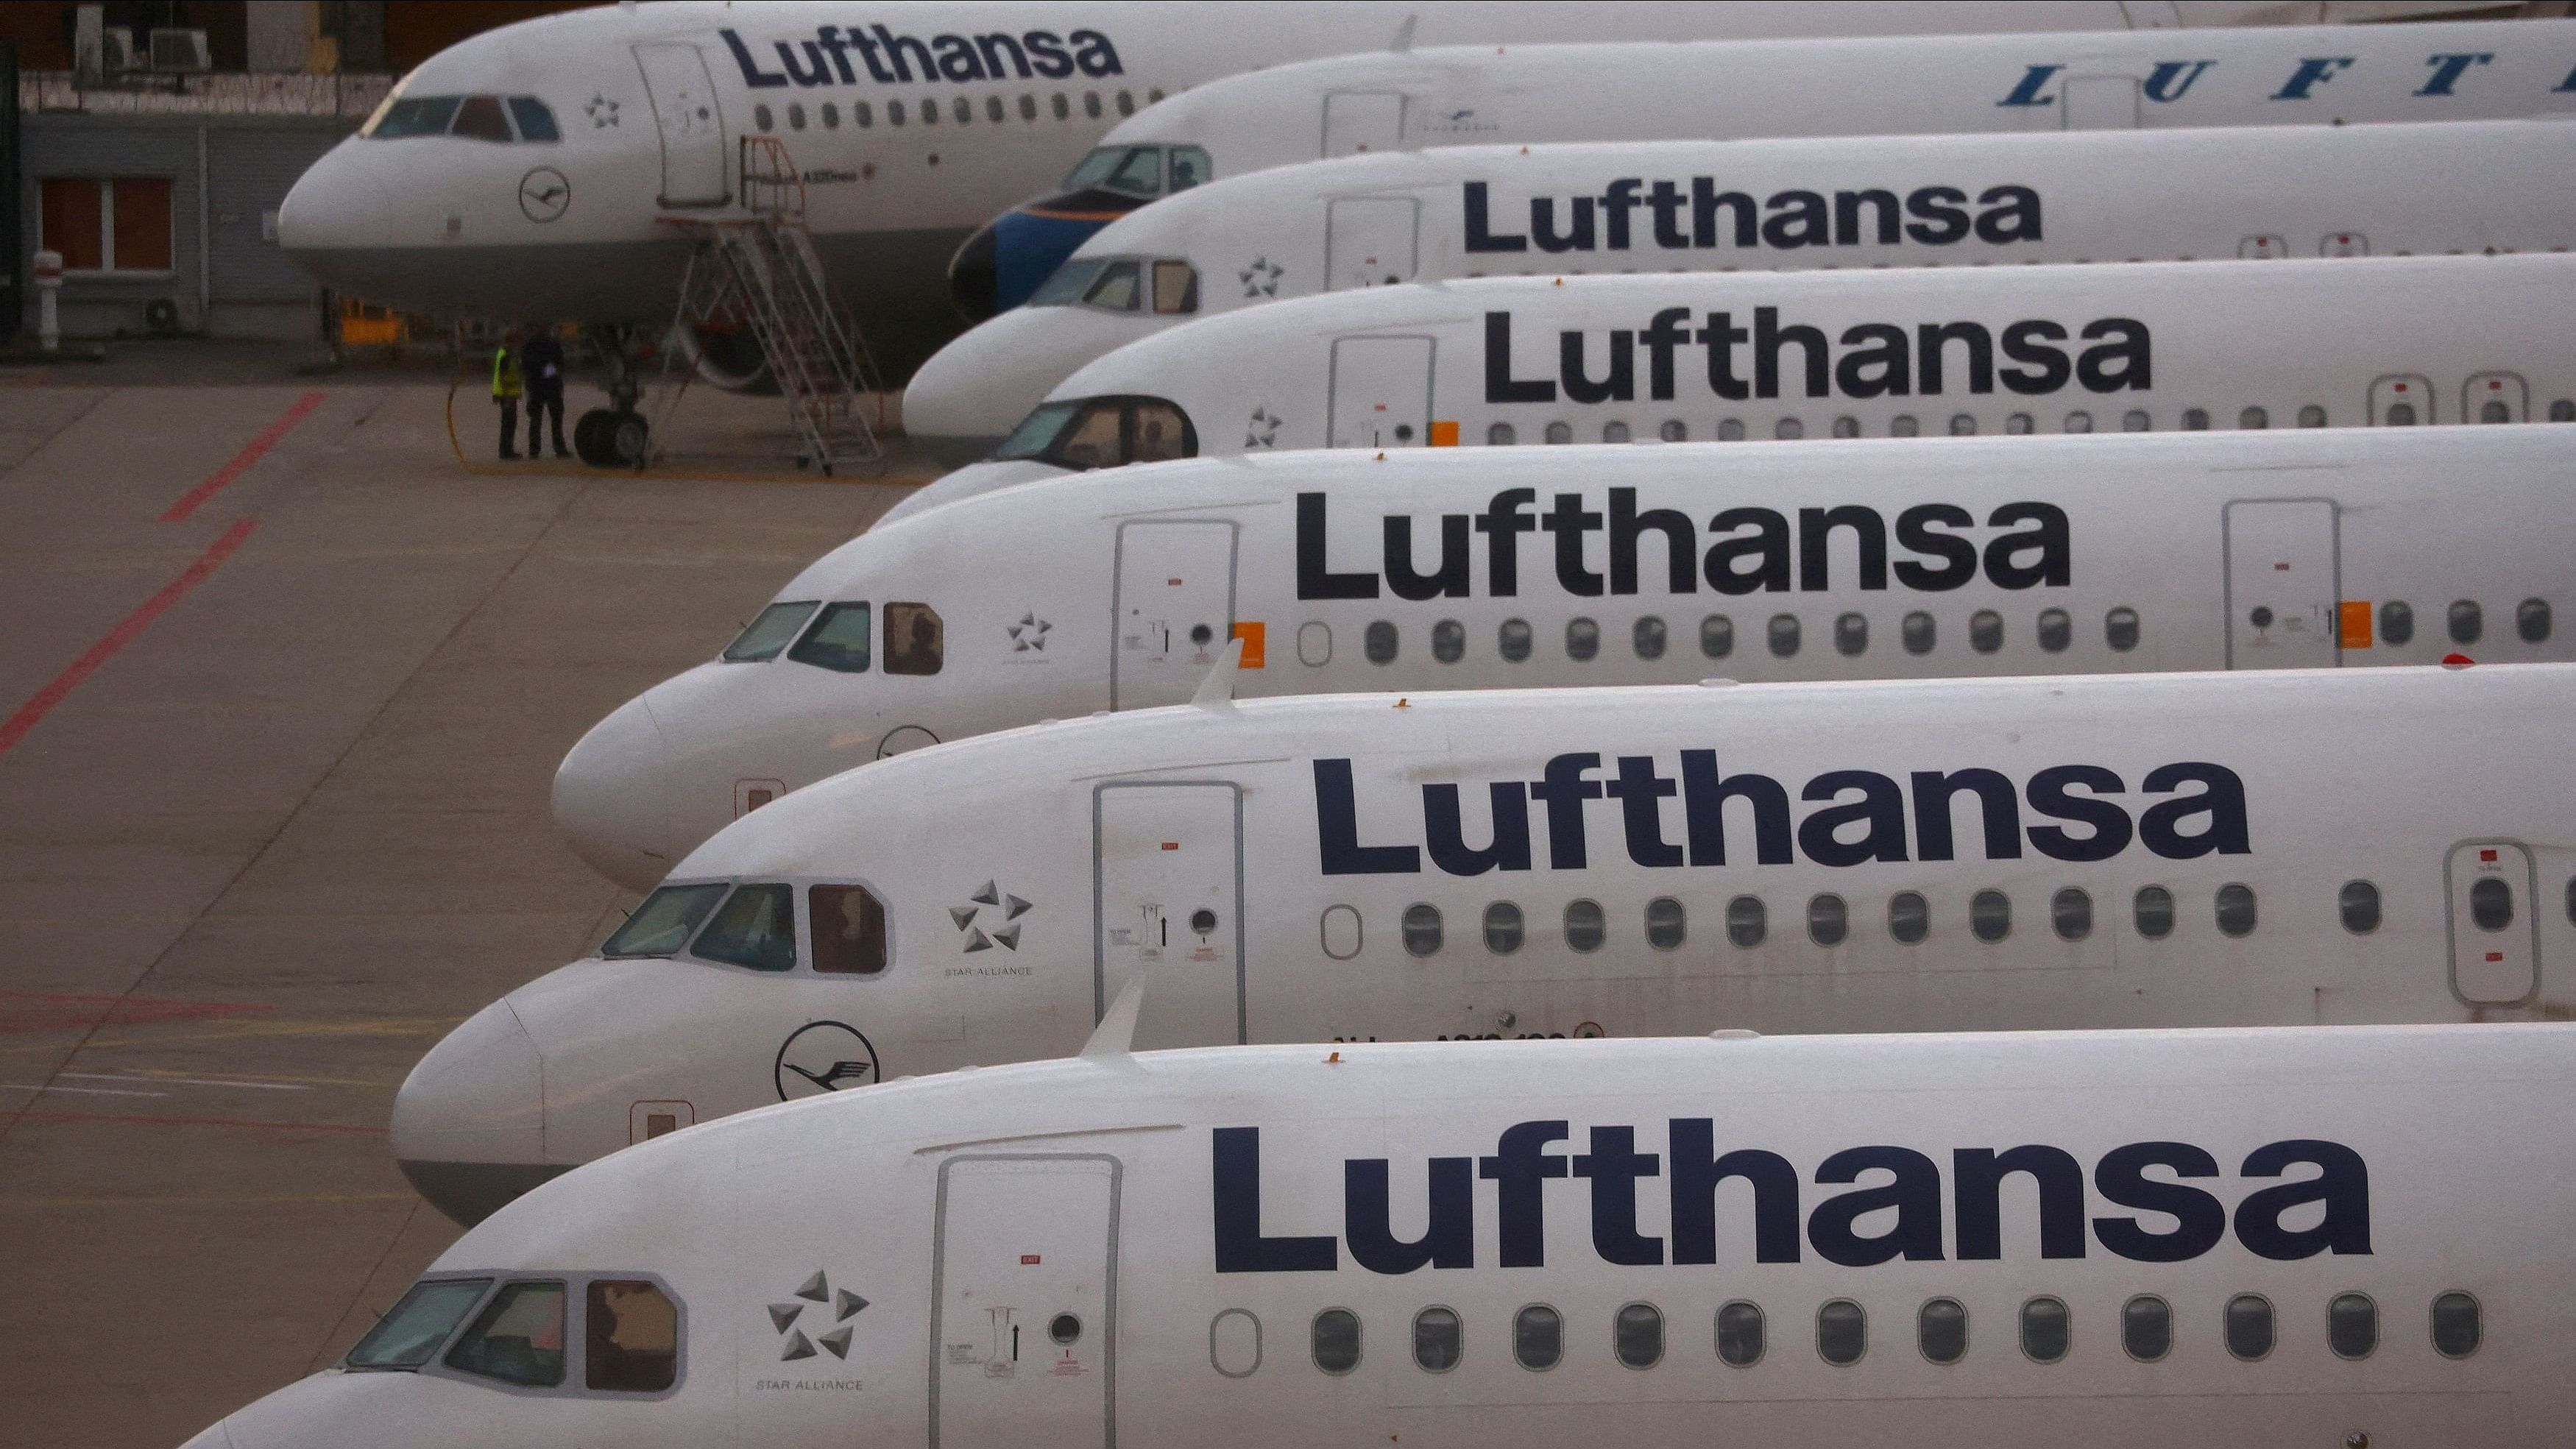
(1404, 35)
(1116, 1034)
(1217, 690)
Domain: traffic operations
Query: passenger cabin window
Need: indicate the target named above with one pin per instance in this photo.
(2457, 1325)
(1990, 915)
(1437, 1340)
(2358, 903)
(2146, 1328)
(1420, 927)
(1448, 641)
(1646, 637)
(1918, 632)
(1379, 641)
(2070, 914)
(1842, 1333)
(1909, 917)
(1513, 640)
(2154, 912)
(916, 641)
(2236, 909)
(2045, 1330)
(1336, 1339)
(2467, 620)
(1637, 1335)
(2120, 629)
(632, 1343)
(1942, 1330)
(1582, 639)
(1746, 927)
(1716, 636)
(406, 1337)
(769, 633)
(1538, 1337)
(838, 640)
(519, 1339)
(1739, 1334)
(2248, 1326)
(2397, 622)
(1985, 631)
(1667, 923)
(756, 928)
(1828, 920)
(2531, 620)
(1503, 928)
(2352, 1325)
(663, 923)
(1585, 926)
(849, 927)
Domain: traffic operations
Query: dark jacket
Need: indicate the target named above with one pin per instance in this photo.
(541, 361)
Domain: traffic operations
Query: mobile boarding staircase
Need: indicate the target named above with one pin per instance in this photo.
(758, 271)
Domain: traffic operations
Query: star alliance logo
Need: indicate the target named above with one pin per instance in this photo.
(1006, 931)
(1030, 633)
(602, 112)
(1261, 279)
(1264, 432)
(843, 1305)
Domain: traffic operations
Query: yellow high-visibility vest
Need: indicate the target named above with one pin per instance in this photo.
(505, 374)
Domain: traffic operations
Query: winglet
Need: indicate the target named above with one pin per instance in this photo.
(1217, 690)
(1404, 35)
(1116, 1034)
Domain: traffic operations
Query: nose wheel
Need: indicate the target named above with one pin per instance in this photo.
(611, 438)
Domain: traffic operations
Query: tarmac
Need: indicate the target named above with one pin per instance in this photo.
(282, 690)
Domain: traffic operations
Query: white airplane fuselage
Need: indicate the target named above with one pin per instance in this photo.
(1703, 206)
(1119, 589)
(2089, 850)
(2237, 1239)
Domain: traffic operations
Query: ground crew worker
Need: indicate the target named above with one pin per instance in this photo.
(506, 387)
(541, 361)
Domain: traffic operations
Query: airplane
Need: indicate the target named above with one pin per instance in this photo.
(1120, 590)
(1875, 201)
(560, 167)
(2198, 849)
(1396, 100)
(2238, 1239)
(1678, 356)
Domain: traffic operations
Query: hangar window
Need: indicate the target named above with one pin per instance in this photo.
(2153, 910)
(914, 639)
(1190, 164)
(1842, 1333)
(756, 928)
(1336, 1338)
(2146, 1328)
(838, 640)
(1438, 1340)
(1985, 631)
(1637, 1335)
(406, 1337)
(1585, 926)
(2045, 1332)
(663, 923)
(536, 122)
(2457, 1325)
(1918, 632)
(2531, 620)
(1448, 641)
(769, 633)
(2248, 1326)
(2358, 904)
(1538, 1337)
(1647, 637)
(1739, 1334)
(849, 928)
(1716, 636)
(632, 1342)
(2467, 621)
(1176, 288)
(1503, 928)
(2235, 909)
(413, 116)
(1582, 638)
(2352, 1325)
(2056, 630)
(2120, 629)
(1909, 917)
(1745, 924)
(2397, 621)
(1513, 640)
(519, 1339)
(107, 224)
(1420, 926)
(1942, 1330)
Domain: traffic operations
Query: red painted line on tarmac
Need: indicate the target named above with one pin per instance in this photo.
(28, 1011)
(33, 712)
(139, 1120)
(223, 477)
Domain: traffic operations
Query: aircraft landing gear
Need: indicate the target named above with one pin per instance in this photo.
(611, 438)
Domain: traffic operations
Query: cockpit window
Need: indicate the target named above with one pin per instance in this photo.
(1176, 288)
(849, 930)
(536, 122)
(661, 926)
(414, 116)
(769, 633)
(1036, 432)
(632, 1338)
(1189, 167)
(915, 639)
(519, 1339)
(1102, 433)
(406, 1337)
(1092, 441)
(1161, 433)
(838, 641)
(1116, 290)
(1066, 284)
(1136, 170)
(480, 118)
(756, 928)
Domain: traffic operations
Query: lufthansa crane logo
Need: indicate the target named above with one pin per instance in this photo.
(823, 1056)
(543, 194)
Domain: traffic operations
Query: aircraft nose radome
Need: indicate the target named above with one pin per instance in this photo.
(611, 802)
(338, 204)
(214, 1436)
(469, 1123)
(973, 275)
(971, 393)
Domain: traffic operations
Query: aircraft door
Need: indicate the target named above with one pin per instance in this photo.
(2401, 402)
(2098, 103)
(1168, 887)
(2495, 397)
(2495, 922)
(1025, 1298)
(1357, 121)
(1369, 241)
(1381, 393)
(2282, 568)
(1175, 609)
(685, 111)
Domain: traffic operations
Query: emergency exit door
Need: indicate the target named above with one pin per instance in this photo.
(1381, 393)
(1369, 241)
(1024, 1287)
(1357, 121)
(1174, 610)
(2495, 928)
(2282, 570)
(1168, 891)
(692, 128)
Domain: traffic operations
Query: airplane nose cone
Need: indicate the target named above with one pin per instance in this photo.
(612, 802)
(334, 216)
(217, 1435)
(469, 1123)
(968, 397)
(973, 276)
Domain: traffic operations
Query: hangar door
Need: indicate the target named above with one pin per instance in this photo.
(1024, 1303)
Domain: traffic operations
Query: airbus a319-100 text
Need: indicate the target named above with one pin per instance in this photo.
(2094, 850)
